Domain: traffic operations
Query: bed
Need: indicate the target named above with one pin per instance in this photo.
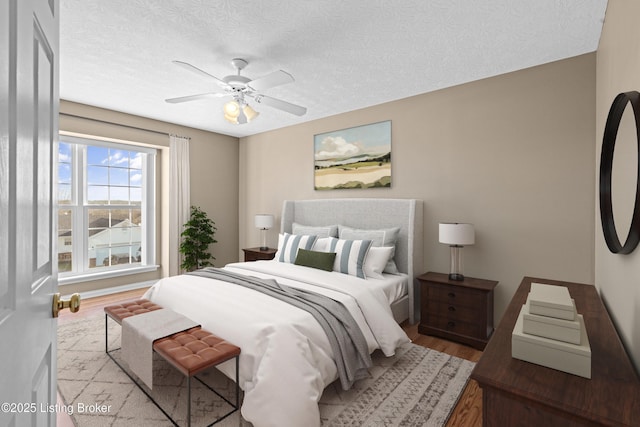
(372, 214)
(287, 359)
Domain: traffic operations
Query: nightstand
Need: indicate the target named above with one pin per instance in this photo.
(460, 311)
(255, 254)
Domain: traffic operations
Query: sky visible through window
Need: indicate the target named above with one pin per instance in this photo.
(64, 173)
(112, 189)
(113, 176)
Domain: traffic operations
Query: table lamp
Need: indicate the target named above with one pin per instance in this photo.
(264, 222)
(456, 235)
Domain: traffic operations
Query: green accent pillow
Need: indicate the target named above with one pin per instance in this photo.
(315, 259)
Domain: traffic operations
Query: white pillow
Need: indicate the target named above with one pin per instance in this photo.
(320, 231)
(288, 245)
(350, 256)
(322, 244)
(379, 237)
(376, 261)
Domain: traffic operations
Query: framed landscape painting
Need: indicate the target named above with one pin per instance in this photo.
(357, 157)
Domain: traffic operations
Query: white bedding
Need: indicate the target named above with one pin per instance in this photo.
(286, 360)
(394, 286)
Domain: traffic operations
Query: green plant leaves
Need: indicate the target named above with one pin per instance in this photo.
(198, 234)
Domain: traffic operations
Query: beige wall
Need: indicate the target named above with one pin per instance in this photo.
(618, 70)
(214, 181)
(512, 154)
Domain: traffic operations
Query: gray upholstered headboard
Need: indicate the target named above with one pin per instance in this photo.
(369, 213)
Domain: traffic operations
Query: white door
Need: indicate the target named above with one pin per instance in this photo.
(28, 265)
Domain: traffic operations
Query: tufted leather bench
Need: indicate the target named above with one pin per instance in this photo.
(118, 312)
(125, 309)
(190, 352)
(130, 308)
(195, 350)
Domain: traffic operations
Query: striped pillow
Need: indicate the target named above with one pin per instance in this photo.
(379, 237)
(288, 246)
(350, 256)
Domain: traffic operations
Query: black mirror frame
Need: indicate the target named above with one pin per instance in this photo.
(606, 165)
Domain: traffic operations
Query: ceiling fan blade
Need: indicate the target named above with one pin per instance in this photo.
(276, 78)
(194, 97)
(197, 70)
(281, 105)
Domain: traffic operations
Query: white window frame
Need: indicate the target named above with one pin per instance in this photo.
(79, 207)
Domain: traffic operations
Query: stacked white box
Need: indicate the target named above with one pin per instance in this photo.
(551, 301)
(551, 327)
(556, 342)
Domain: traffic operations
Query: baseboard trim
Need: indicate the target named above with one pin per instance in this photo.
(114, 289)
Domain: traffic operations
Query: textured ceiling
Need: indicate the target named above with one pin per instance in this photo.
(344, 54)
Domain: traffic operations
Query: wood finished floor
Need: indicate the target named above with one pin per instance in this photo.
(467, 413)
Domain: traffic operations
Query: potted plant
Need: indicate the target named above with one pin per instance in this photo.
(198, 234)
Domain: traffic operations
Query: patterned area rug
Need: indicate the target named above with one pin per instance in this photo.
(416, 387)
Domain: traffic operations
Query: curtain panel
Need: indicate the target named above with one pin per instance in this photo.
(179, 196)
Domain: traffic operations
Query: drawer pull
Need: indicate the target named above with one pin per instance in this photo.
(451, 324)
(451, 308)
(452, 295)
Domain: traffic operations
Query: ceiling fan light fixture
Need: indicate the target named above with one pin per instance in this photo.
(237, 111)
(232, 109)
(250, 112)
(233, 112)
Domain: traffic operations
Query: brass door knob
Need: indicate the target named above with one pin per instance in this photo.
(73, 303)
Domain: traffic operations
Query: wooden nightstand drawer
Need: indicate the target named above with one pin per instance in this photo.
(451, 295)
(457, 310)
(455, 326)
(454, 311)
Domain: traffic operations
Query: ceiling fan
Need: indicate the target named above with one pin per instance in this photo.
(239, 87)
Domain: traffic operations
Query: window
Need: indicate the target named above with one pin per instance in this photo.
(106, 196)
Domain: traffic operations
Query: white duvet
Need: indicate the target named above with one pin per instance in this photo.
(286, 360)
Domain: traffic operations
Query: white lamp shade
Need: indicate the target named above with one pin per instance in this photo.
(453, 233)
(264, 221)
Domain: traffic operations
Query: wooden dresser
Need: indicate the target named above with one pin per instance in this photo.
(518, 393)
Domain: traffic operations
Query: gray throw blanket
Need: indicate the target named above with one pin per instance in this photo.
(345, 337)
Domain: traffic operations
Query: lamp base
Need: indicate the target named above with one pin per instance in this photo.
(263, 246)
(455, 269)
